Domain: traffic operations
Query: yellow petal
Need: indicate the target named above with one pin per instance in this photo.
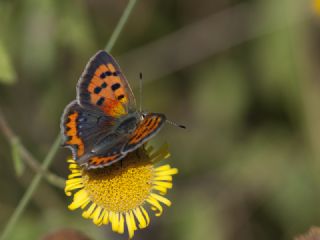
(133, 220)
(163, 184)
(140, 217)
(71, 161)
(171, 171)
(115, 221)
(75, 205)
(163, 168)
(163, 178)
(105, 217)
(75, 170)
(81, 194)
(73, 185)
(121, 224)
(83, 206)
(73, 181)
(69, 188)
(80, 198)
(162, 190)
(157, 207)
(129, 225)
(161, 199)
(97, 216)
(146, 215)
(73, 175)
(73, 166)
(87, 214)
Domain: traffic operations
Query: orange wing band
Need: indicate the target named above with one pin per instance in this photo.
(71, 133)
(103, 161)
(145, 128)
(107, 91)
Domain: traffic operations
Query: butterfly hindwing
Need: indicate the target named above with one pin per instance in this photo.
(103, 85)
(70, 130)
(99, 161)
(146, 129)
(82, 127)
(104, 153)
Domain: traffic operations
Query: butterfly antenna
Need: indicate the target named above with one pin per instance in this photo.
(175, 124)
(140, 107)
(140, 91)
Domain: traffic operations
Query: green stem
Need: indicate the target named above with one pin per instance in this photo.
(29, 159)
(55, 180)
(31, 189)
(120, 25)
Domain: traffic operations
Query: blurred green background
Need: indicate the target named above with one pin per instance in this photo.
(243, 75)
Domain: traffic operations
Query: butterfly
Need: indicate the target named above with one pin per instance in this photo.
(103, 124)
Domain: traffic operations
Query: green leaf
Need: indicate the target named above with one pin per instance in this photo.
(17, 161)
(7, 73)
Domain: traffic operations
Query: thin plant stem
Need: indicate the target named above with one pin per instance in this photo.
(27, 157)
(31, 189)
(120, 25)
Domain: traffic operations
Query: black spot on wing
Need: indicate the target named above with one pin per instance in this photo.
(116, 73)
(105, 74)
(120, 97)
(104, 85)
(100, 101)
(115, 86)
(97, 90)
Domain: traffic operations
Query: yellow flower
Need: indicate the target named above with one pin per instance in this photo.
(316, 6)
(119, 194)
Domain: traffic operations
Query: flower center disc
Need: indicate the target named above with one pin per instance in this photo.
(120, 187)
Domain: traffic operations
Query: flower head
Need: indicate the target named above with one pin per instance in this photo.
(119, 194)
(316, 6)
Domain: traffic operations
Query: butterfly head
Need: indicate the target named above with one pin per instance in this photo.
(142, 115)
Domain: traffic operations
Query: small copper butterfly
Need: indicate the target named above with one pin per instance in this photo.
(102, 125)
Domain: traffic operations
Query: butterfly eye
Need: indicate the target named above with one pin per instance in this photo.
(142, 116)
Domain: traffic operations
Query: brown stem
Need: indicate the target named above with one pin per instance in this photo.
(29, 159)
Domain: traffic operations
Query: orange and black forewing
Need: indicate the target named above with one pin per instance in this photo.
(103, 85)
